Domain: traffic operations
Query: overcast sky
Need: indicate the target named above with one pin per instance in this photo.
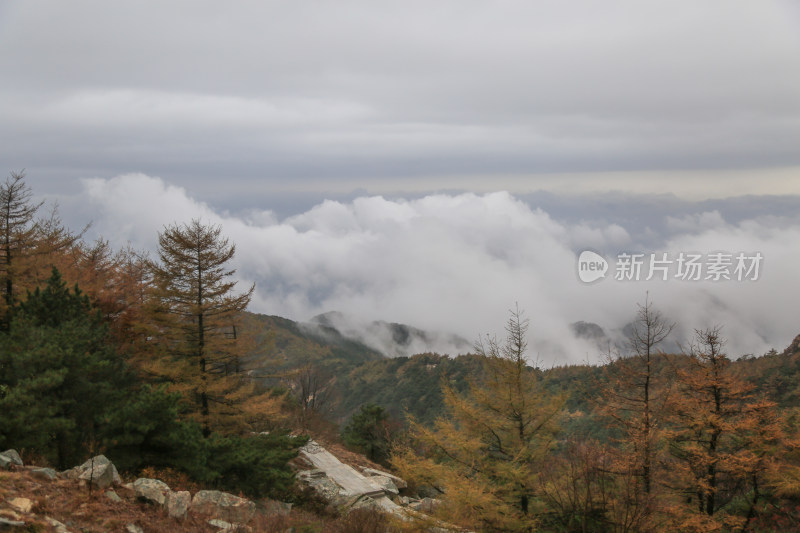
(623, 125)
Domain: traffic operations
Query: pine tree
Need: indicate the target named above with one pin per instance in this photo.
(368, 432)
(485, 455)
(59, 373)
(195, 311)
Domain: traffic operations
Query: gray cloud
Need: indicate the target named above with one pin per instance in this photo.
(270, 92)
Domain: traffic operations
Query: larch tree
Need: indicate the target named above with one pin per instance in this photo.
(28, 245)
(195, 309)
(18, 231)
(485, 455)
(634, 401)
(721, 438)
(116, 283)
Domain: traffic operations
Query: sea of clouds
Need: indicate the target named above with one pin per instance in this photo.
(457, 263)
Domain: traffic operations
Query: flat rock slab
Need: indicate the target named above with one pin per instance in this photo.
(400, 483)
(352, 482)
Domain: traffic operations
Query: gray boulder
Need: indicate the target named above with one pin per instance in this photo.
(98, 471)
(178, 503)
(386, 484)
(58, 526)
(223, 506)
(225, 527)
(372, 473)
(7, 523)
(9, 458)
(23, 505)
(151, 490)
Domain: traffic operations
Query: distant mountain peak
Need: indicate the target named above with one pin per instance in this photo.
(393, 339)
(794, 347)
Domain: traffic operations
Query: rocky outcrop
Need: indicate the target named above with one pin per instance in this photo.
(211, 503)
(793, 348)
(223, 506)
(348, 488)
(349, 481)
(98, 471)
(23, 505)
(230, 512)
(10, 458)
(379, 475)
(151, 490)
(178, 503)
(344, 486)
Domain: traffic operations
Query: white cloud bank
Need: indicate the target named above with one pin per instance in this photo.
(457, 263)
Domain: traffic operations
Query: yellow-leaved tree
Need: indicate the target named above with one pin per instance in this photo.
(28, 243)
(484, 455)
(633, 398)
(196, 317)
(723, 439)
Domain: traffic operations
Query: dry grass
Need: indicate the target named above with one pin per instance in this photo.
(80, 509)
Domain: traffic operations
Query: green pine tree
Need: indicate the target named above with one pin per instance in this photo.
(368, 432)
(58, 374)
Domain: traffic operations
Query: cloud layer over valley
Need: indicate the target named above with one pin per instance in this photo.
(456, 263)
